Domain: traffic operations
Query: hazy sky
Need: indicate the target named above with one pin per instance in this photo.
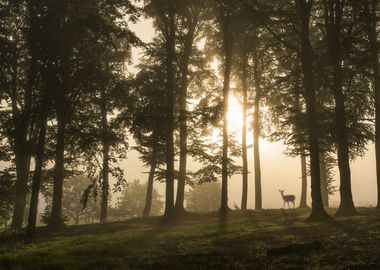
(278, 171)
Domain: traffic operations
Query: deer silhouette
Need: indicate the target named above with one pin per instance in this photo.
(287, 198)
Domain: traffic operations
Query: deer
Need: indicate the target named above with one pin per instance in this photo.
(287, 198)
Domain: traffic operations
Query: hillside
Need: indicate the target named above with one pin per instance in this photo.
(241, 241)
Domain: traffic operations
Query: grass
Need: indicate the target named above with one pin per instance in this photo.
(203, 242)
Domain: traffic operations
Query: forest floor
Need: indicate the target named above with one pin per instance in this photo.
(267, 239)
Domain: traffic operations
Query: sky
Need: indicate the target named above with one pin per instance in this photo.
(278, 170)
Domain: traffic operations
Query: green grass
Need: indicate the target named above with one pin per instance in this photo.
(203, 242)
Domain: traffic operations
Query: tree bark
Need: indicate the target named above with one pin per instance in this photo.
(183, 133)
(256, 125)
(244, 196)
(324, 182)
(21, 145)
(149, 191)
(22, 161)
(59, 53)
(56, 221)
(371, 11)
(333, 20)
(105, 150)
(318, 212)
(170, 87)
(303, 203)
(227, 42)
(30, 235)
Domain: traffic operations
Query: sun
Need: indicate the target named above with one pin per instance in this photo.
(235, 116)
(235, 122)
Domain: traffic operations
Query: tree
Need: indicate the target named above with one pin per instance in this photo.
(18, 75)
(244, 78)
(164, 12)
(204, 197)
(145, 112)
(131, 202)
(303, 11)
(103, 138)
(41, 112)
(93, 30)
(370, 8)
(256, 118)
(225, 14)
(303, 203)
(191, 18)
(334, 20)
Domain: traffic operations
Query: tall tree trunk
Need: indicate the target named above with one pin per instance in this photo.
(318, 212)
(303, 203)
(244, 78)
(149, 191)
(333, 20)
(30, 235)
(105, 167)
(62, 104)
(346, 207)
(188, 48)
(22, 122)
(170, 87)
(371, 10)
(256, 124)
(227, 42)
(324, 181)
(56, 221)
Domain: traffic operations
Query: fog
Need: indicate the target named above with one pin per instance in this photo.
(278, 170)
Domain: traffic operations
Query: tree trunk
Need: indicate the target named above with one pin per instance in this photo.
(188, 48)
(22, 161)
(227, 42)
(30, 235)
(346, 207)
(56, 221)
(324, 182)
(244, 196)
(303, 203)
(105, 167)
(170, 46)
(21, 145)
(371, 11)
(256, 125)
(333, 20)
(149, 191)
(318, 213)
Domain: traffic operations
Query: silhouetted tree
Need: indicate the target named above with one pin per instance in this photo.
(18, 81)
(304, 12)
(225, 13)
(334, 20)
(190, 13)
(146, 112)
(303, 199)
(164, 12)
(370, 15)
(93, 25)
